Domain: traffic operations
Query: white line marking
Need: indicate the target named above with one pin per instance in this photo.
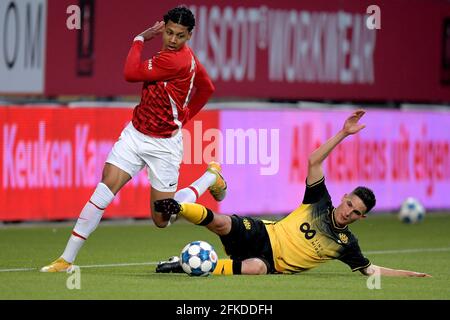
(19, 269)
(155, 263)
(90, 266)
(120, 265)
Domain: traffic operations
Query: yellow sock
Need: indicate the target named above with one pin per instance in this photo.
(196, 213)
(224, 267)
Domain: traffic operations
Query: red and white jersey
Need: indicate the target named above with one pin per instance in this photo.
(168, 97)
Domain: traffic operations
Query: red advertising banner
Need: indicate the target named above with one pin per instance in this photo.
(338, 50)
(52, 159)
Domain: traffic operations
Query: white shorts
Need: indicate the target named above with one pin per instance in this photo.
(135, 150)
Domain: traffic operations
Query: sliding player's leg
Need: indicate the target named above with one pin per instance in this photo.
(241, 237)
(211, 180)
(251, 266)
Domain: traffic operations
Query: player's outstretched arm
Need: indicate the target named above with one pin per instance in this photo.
(351, 126)
(373, 269)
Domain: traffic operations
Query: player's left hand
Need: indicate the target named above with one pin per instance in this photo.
(351, 125)
(418, 274)
(152, 32)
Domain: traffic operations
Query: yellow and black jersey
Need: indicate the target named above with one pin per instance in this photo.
(309, 236)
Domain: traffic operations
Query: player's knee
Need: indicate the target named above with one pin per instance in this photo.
(220, 225)
(114, 178)
(254, 266)
(260, 267)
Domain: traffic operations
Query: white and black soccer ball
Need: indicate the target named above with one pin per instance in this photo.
(411, 211)
(198, 258)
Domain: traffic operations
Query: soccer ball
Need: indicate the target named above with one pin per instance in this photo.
(198, 258)
(411, 211)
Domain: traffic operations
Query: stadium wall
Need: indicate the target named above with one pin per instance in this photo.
(309, 49)
(52, 157)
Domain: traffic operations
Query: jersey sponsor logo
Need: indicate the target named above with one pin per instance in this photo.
(343, 237)
(150, 66)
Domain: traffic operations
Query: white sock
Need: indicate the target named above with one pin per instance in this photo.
(185, 195)
(88, 220)
(196, 189)
(73, 246)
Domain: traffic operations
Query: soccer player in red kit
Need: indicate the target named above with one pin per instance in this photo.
(175, 88)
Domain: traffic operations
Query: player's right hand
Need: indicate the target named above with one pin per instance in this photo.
(154, 31)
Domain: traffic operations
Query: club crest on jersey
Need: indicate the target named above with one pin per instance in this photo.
(343, 237)
(247, 224)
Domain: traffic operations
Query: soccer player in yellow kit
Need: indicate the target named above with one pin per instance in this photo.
(313, 233)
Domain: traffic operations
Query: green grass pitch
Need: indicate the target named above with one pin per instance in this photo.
(118, 262)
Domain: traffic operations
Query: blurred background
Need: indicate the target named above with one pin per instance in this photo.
(287, 74)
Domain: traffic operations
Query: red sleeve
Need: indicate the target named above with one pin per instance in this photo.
(204, 88)
(159, 68)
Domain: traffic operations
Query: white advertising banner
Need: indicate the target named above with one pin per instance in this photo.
(22, 46)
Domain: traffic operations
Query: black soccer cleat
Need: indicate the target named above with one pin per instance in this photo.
(173, 265)
(167, 207)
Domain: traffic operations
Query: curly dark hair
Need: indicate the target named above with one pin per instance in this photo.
(367, 196)
(181, 15)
